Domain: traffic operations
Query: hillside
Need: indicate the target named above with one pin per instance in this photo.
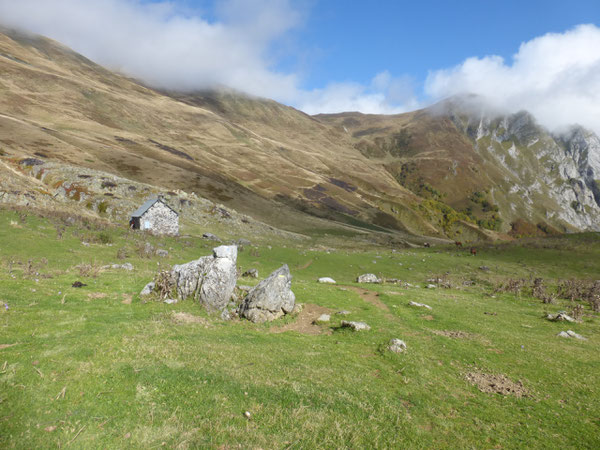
(421, 173)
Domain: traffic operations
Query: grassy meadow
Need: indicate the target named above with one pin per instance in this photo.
(96, 367)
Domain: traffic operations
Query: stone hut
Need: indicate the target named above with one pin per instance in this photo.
(155, 216)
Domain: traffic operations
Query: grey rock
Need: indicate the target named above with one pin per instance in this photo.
(571, 334)
(125, 266)
(560, 317)
(368, 278)
(575, 335)
(431, 286)
(420, 305)
(148, 289)
(243, 242)
(397, 346)
(210, 280)
(343, 312)
(211, 237)
(148, 249)
(250, 273)
(326, 280)
(226, 251)
(484, 268)
(162, 253)
(271, 298)
(170, 301)
(355, 326)
(323, 318)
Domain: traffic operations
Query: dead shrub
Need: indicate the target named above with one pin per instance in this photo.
(163, 284)
(144, 249)
(538, 290)
(577, 312)
(441, 281)
(122, 253)
(88, 270)
(511, 286)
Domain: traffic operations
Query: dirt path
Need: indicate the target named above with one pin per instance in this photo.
(306, 265)
(304, 321)
(368, 296)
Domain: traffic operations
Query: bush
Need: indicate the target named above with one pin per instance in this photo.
(105, 238)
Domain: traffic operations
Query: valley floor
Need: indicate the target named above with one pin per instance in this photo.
(96, 367)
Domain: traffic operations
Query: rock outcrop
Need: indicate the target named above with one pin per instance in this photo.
(271, 298)
(210, 280)
(368, 278)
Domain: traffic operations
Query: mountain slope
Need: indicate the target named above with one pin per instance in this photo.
(439, 172)
(498, 169)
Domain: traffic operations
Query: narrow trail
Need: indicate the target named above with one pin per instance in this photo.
(368, 296)
(306, 265)
(304, 321)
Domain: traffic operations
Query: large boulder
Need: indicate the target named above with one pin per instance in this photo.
(210, 280)
(271, 298)
(368, 278)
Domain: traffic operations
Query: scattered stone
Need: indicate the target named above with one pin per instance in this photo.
(148, 249)
(356, 326)
(162, 253)
(148, 289)
(78, 284)
(85, 244)
(247, 415)
(326, 280)
(170, 301)
(298, 307)
(559, 317)
(420, 305)
(125, 266)
(571, 334)
(250, 273)
(392, 281)
(225, 315)
(431, 286)
(484, 268)
(323, 318)
(368, 278)
(271, 298)
(397, 346)
(343, 312)
(243, 243)
(211, 237)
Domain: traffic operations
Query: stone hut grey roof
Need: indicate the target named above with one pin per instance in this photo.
(146, 206)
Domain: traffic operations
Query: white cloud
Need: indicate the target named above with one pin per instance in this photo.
(169, 46)
(384, 95)
(556, 77)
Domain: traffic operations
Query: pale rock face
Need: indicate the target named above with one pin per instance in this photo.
(555, 173)
(271, 298)
(211, 279)
(368, 278)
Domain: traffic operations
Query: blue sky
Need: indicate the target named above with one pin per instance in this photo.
(356, 40)
(333, 55)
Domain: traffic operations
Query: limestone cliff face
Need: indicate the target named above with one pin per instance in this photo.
(544, 176)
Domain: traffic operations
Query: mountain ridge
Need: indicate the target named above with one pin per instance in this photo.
(390, 173)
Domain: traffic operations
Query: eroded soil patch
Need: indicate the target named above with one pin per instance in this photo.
(497, 384)
(304, 321)
(369, 297)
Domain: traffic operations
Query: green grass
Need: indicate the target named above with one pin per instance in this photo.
(133, 377)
